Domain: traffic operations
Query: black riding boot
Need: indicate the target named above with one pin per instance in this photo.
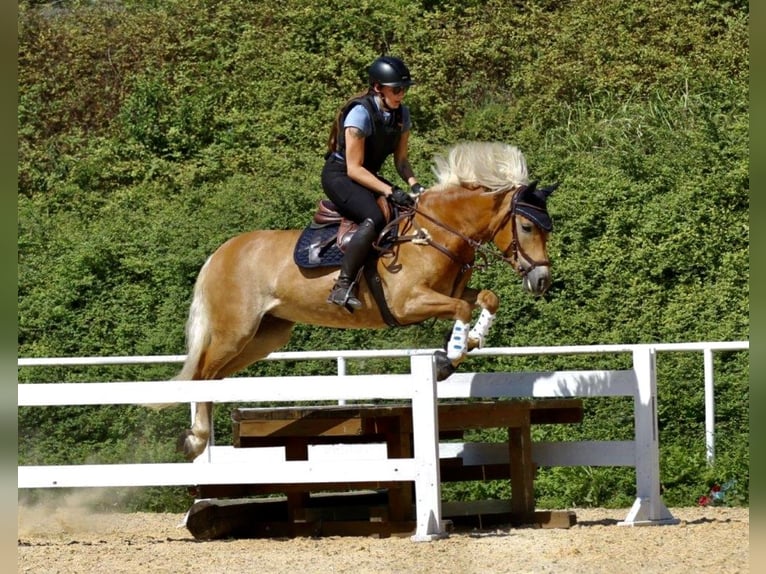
(344, 291)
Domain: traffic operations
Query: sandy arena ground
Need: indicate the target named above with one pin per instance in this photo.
(708, 539)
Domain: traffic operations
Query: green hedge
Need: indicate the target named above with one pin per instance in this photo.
(150, 132)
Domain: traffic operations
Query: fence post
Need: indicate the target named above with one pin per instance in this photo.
(648, 508)
(341, 361)
(425, 431)
(709, 406)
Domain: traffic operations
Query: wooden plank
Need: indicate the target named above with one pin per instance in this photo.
(326, 420)
(301, 427)
(487, 513)
(465, 416)
(348, 514)
(522, 469)
(545, 519)
(323, 426)
(245, 490)
(559, 415)
(548, 519)
(399, 445)
(496, 414)
(212, 519)
(318, 411)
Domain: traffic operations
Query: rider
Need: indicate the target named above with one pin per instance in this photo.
(369, 127)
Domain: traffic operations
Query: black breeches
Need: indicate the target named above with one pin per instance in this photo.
(352, 200)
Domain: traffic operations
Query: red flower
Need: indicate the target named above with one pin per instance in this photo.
(703, 500)
(715, 488)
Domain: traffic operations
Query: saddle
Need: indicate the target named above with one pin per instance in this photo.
(327, 214)
(323, 242)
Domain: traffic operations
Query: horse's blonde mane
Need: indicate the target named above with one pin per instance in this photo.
(496, 166)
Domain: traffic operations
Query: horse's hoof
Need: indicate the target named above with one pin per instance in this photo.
(444, 367)
(186, 445)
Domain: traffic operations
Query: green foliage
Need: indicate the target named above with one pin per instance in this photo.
(151, 132)
(583, 486)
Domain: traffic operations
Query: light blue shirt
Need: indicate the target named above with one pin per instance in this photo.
(359, 118)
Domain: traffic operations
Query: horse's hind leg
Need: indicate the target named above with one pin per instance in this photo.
(219, 350)
(217, 354)
(272, 334)
(219, 362)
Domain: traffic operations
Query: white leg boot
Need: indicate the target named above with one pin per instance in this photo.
(481, 328)
(456, 347)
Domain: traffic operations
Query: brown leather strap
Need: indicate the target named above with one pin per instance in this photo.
(376, 288)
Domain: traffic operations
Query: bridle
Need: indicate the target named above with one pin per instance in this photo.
(518, 250)
(512, 255)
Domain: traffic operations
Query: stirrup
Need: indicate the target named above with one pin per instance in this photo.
(344, 296)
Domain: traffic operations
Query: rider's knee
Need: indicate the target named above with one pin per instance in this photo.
(369, 227)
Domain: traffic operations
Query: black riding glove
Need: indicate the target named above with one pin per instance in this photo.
(400, 198)
(416, 189)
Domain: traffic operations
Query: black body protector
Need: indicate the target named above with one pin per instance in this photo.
(384, 137)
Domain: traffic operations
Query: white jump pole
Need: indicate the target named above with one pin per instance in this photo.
(648, 508)
(425, 431)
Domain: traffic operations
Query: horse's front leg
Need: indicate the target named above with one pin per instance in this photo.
(489, 303)
(425, 303)
(464, 339)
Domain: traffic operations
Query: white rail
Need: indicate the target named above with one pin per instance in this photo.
(342, 356)
(419, 386)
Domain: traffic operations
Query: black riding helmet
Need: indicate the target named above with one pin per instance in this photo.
(389, 71)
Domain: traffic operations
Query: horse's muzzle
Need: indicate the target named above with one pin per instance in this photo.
(537, 280)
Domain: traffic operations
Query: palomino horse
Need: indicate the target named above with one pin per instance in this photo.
(250, 293)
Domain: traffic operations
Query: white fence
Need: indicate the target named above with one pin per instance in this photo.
(420, 387)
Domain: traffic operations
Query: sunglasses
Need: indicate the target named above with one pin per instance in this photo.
(399, 89)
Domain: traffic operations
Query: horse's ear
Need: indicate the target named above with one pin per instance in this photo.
(544, 192)
(530, 187)
(532, 205)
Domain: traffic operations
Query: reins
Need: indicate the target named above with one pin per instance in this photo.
(421, 236)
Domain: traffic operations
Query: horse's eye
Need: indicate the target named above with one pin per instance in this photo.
(526, 228)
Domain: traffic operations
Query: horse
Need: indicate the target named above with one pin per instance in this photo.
(250, 292)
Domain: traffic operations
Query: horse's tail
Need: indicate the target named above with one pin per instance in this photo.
(197, 334)
(197, 329)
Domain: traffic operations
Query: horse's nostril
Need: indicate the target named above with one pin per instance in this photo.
(543, 282)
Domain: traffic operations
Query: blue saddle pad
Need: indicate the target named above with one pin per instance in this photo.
(317, 247)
